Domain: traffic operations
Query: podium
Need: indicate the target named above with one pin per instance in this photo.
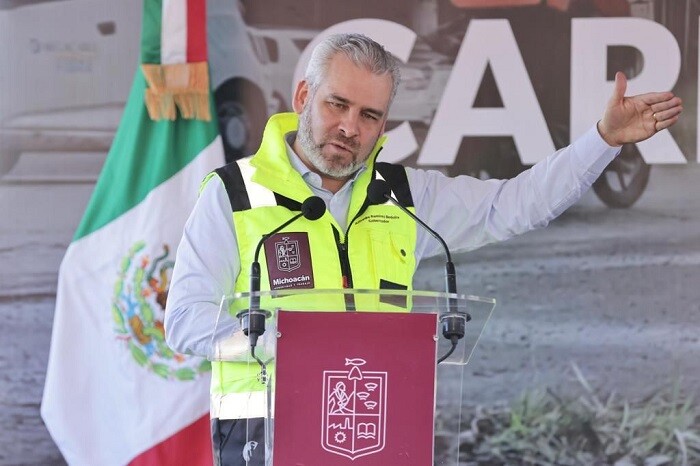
(346, 376)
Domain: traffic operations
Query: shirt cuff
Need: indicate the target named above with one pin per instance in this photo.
(592, 153)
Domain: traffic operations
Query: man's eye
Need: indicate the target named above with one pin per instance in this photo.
(370, 116)
(336, 104)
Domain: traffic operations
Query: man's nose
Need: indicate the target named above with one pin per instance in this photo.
(349, 124)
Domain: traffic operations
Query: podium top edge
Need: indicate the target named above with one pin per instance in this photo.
(358, 291)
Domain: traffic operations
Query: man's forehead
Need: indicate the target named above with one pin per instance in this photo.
(357, 84)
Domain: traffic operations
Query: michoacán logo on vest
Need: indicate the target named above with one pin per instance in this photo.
(288, 259)
(138, 308)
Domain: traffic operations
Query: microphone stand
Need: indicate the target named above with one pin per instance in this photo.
(253, 319)
(453, 322)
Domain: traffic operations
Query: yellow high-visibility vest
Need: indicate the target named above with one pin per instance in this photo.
(375, 251)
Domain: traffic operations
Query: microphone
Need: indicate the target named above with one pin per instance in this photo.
(253, 319)
(454, 322)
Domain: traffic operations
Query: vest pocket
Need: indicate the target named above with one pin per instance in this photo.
(387, 285)
(393, 259)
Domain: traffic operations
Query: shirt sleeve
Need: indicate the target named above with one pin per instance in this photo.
(206, 267)
(469, 213)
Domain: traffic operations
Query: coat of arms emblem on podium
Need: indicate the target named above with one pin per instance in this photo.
(354, 410)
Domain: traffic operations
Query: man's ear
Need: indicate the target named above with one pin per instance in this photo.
(301, 95)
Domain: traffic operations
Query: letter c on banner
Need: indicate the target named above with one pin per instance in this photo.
(398, 40)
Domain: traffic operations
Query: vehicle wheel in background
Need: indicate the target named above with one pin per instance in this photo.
(624, 180)
(241, 111)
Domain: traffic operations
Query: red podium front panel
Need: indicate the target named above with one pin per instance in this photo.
(354, 388)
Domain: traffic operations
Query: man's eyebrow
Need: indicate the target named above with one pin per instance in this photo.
(340, 99)
(376, 112)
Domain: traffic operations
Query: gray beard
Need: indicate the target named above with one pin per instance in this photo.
(312, 151)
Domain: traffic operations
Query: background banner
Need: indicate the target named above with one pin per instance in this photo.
(604, 300)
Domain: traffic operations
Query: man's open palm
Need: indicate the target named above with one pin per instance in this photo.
(636, 118)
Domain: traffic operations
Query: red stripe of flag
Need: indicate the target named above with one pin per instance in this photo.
(190, 446)
(196, 31)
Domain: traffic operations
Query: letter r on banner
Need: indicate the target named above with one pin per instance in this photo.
(590, 89)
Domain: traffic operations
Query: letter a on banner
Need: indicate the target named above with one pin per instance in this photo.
(488, 42)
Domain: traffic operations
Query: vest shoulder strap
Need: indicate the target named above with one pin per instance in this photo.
(396, 176)
(232, 178)
(235, 185)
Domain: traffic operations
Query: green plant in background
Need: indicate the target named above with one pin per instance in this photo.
(543, 428)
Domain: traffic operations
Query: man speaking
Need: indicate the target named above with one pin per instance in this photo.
(329, 148)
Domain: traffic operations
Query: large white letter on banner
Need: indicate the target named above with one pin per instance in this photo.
(590, 90)
(397, 39)
(488, 41)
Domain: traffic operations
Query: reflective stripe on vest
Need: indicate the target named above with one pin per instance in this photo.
(258, 196)
(238, 405)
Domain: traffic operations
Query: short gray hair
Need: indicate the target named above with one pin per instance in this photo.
(361, 50)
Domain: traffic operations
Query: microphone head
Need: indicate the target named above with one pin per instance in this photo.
(313, 208)
(378, 191)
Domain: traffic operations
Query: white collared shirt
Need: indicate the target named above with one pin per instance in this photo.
(467, 212)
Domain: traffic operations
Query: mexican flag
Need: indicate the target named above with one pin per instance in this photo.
(115, 393)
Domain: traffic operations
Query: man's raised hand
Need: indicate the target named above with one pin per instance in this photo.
(636, 118)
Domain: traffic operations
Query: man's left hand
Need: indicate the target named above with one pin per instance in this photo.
(636, 118)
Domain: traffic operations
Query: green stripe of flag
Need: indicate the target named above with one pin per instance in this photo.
(144, 154)
(150, 33)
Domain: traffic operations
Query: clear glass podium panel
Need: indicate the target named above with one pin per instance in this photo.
(230, 344)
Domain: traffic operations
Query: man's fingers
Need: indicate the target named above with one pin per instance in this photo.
(666, 114)
(667, 104)
(663, 120)
(660, 125)
(654, 98)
